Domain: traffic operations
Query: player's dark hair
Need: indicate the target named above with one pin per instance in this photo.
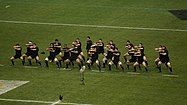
(56, 39)
(88, 37)
(128, 41)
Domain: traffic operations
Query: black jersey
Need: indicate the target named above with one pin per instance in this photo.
(88, 44)
(100, 47)
(52, 53)
(129, 46)
(142, 50)
(66, 53)
(93, 55)
(34, 52)
(164, 56)
(29, 52)
(116, 57)
(57, 48)
(79, 47)
(18, 50)
(74, 53)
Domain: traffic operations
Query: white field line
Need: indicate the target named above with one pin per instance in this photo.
(9, 89)
(93, 26)
(42, 102)
(57, 102)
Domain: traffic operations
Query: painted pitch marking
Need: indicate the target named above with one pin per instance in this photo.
(94, 26)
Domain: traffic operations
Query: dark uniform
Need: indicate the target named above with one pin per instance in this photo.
(28, 53)
(88, 45)
(57, 50)
(79, 47)
(116, 57)
(66, 53)
(100, 48)
(34, 52)
(74, 54)
(17, 52)
(163, 56)
(93, 55)
(52, 53)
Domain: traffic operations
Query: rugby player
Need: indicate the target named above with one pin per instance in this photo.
(109, 54)
(52, 56)
(28, 52)
(66, 56)
(57, 46)
(164, 59)
(75, 55)
(17, 55)
(128, 46)
(93, 57)
(116, 59)
(88, 43)
(100, 46)
(34, 54)
(79, 47)
(139, 59)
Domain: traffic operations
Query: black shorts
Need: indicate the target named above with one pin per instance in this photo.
(65, 58)
(17, 56)
(140, 59)
(133, 59)
(34, 56)
(164, 60)
(100, 51)
(73, 57)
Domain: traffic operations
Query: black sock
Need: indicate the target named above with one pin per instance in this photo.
(39, 63)
(57, 63)
(134, 68)
(139, 67)
(79, 66)
(159, 68)
(103, 65)
(12, 62)
(122, 67)
(72, 63)
(146, 63)
(128, 67)
(83, 58)
(30, 62)
(89, 66)
(23, 62)
(46, 63)
(99, 67)
(60, 63)
(146, 69)
(66, 66)
(170, 69)
(109, 66)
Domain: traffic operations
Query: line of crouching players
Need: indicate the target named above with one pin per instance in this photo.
(111, 55)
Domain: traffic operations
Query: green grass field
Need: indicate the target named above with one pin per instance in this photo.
(107, 88)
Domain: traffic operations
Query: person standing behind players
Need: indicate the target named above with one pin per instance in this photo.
(88, 43)
(100, 46)
(57, 46)
(79, 47)
(17, 55)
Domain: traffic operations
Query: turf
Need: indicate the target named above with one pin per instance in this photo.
(108, 88)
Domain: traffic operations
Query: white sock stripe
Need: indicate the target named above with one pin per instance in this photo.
(94, 26)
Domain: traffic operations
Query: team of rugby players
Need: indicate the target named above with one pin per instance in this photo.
(111, 55)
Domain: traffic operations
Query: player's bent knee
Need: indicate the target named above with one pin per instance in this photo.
(56, 60)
